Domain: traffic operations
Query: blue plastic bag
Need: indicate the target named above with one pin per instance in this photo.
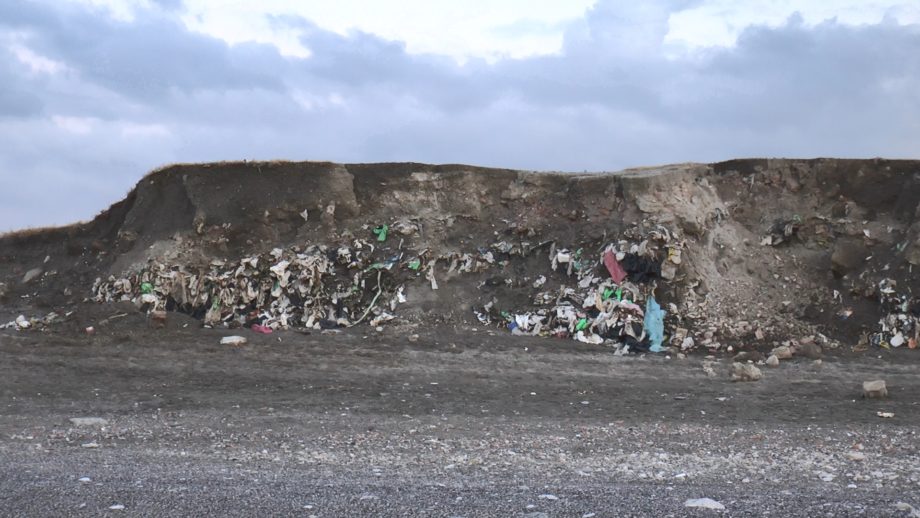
(654, 325)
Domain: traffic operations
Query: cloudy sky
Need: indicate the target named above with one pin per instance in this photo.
(94, 93)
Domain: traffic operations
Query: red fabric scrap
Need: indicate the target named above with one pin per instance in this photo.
(617, 273)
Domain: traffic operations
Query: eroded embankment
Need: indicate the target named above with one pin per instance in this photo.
(738, 254)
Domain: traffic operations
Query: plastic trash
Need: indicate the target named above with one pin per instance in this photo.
(654, 324)
(233, 340)
(415, 264)
(381, 232)
(146, 288)
(617, 273)
(259, 328)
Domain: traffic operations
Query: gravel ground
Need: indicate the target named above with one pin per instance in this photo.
(454, 424)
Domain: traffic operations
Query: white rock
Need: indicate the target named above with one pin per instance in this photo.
(88, 421)
(85, 480)
(233, 340)
(548, 496)
(856, 456)
(745, 372)
(826, 477)
(773, 361)
(704, 503)
(116, 507)
(783, 352)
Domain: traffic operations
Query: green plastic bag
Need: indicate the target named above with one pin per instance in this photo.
(146, 288)
(381, 232)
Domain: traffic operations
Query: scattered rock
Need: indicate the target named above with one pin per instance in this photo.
(745, 372)
(704, 503)
(856, 456)
(875, 389)
(233, 340)
(826, 477)
(88, 421)
(773, 361)
(783, 352)
(905, 507)
(31, 275)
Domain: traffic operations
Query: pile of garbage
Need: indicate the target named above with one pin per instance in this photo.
(316, 287)
(901, 324)
(611, 298)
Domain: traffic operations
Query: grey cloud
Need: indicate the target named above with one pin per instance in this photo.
(613, 98)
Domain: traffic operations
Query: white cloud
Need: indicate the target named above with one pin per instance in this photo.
(75, 125)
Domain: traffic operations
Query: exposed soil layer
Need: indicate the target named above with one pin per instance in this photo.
(772, 250)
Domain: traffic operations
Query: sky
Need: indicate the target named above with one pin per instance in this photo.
(96, 93)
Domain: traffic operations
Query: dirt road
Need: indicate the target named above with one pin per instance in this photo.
(457, 423)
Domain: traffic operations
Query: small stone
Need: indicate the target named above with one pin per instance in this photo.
(704, 503)
(759, 334)
(88, 421)
(875, 389)
(413, 338)
(748, 356)
(745, 372)
(826, 477)
(783, 352)
(548, 496)
(117, 507)
(856, 456)
(85, 480)
(31, 275)
(885, 415)
(773, 361)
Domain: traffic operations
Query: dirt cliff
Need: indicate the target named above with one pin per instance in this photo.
(740, 254)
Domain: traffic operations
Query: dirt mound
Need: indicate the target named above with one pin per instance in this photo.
(740, 254)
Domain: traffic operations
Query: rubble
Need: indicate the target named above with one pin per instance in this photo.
(745, 372)
(875, 389)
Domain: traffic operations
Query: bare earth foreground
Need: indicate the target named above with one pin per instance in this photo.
(457, 423)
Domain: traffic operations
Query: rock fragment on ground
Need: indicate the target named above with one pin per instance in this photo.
(875, 389)
(745, 372)
(704, 503)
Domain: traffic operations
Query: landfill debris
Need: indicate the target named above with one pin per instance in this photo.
(259, 328)
(875, 389)
(90, 330)
(745, 372)
(23, 323)
(233, 340)
(704, 503)
(381, 232)
(782, 231)
(315, 287)
(886, 415)
(603, 297)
